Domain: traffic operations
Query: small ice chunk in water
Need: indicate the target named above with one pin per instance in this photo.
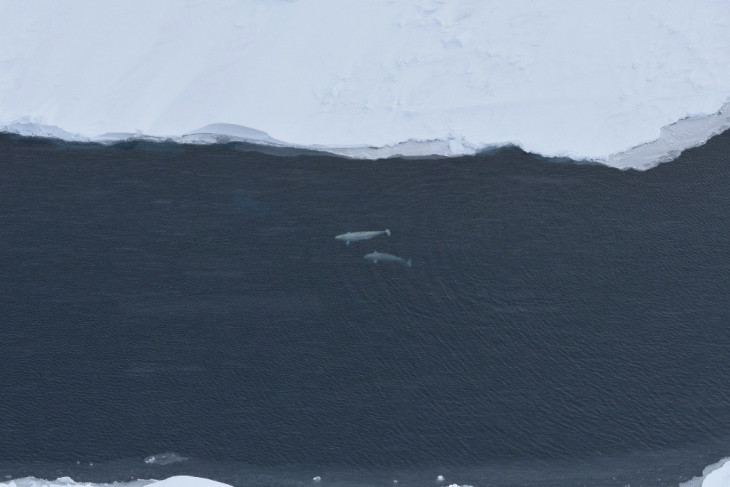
(164, 458)
(317, 478)
(440, 478)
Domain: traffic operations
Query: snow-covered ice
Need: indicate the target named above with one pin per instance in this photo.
(69, 482)
(584, 79)
(176, 481)
(720, 477)
(715, 475)
(187, 481)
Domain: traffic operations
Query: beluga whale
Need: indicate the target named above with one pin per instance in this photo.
(355, 236)
(376, 257)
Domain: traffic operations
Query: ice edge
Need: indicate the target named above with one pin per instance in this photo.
(686, 133)
(715, 475)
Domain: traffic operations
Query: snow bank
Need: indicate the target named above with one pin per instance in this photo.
(585, 79)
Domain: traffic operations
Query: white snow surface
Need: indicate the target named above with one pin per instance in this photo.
(587, 79)
(720, 477)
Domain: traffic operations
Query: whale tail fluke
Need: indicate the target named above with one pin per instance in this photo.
(387, 232)
(409, 263)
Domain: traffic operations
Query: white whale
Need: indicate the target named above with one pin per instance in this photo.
(376, 257)
(355, 236)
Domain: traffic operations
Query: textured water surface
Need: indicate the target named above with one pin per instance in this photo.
(558, 319)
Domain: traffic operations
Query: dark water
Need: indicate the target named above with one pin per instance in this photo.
(561, 324)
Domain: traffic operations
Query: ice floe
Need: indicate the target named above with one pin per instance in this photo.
(628, 84)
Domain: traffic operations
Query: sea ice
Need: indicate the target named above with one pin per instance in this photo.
(165, 458)
(715, 475)
(585, 79)
(187, 481)
(69, 482)
(719, 477)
